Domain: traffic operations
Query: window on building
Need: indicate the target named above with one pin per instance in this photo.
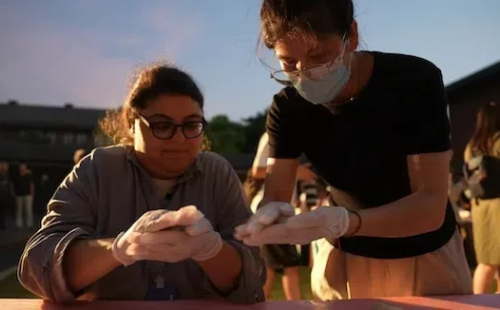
(81, 139)
(52, 137)
(68, 138)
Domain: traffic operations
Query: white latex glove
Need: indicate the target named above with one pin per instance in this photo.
(129, 247)
(267, 215)
(324, 222)
(198, 241)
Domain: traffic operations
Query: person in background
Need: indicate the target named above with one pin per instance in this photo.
(308, 198)
(24, 189)
(44, 191)
(485, 213)
(375, 126)
(280, 259)
(79, 155)
(155, 211)
(6, 192)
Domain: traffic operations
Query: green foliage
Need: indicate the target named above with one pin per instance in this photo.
(229, 137)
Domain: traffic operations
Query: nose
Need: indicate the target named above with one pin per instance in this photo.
(178, 136)
(300, 65)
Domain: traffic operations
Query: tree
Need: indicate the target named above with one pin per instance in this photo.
(226, 136)
(254, 127)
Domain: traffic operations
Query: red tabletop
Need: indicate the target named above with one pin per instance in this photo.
(468, 302)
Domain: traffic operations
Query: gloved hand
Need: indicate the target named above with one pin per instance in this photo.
(168, 236)
(267, 215)
(323, 222)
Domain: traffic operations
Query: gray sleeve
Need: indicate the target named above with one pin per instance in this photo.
(233, 210)
(69, 216)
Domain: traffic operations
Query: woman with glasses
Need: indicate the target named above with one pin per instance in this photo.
(375, 126)
(150, 218)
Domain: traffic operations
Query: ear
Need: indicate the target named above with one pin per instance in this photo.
(352, 38)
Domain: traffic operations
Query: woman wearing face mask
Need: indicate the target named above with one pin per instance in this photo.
(151, 218)
(376, 128)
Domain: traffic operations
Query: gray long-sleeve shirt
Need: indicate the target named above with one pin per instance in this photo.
(104, 195)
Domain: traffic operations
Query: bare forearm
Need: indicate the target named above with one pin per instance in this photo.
(259, 172)
(224, 269)
(413, 215)
(78, 263)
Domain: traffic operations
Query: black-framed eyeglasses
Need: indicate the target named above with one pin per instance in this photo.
(165, 130)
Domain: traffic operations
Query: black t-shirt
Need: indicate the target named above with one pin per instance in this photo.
(4, 185)
(361, 147)
(22, 185)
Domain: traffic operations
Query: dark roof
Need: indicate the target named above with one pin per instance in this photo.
(14, 114)
(27, 152)
(475, 78)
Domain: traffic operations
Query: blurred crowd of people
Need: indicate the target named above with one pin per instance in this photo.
(24, 196)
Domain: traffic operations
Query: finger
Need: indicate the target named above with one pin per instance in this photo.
(287, 210)
(139, 252)
(271, 213)
(183, 217)
(305, 220)
(240, 232)
(188, 215)
(255, 227)
(144, 222)
(164, 253)
(163, 221)
(275, 234)
(200, 227)
(266, 215)
(161, 237)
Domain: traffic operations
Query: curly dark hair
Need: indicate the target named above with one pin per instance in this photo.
(151, 82)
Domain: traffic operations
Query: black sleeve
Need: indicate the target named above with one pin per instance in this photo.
(428, 125)
(284, 136)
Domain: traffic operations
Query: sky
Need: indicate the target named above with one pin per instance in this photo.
(85, 51)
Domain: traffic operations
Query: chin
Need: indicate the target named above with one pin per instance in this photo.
(176, 167)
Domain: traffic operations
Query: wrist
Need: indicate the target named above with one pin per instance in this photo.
(118, 249)
(214, 250)
(355, 223)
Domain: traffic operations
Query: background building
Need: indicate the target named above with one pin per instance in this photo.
(465, 97)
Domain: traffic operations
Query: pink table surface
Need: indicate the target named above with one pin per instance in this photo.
(468, 302)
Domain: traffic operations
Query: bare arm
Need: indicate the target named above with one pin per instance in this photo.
(467, 153)
(259, 172)
(427, 146)
(43, 266)
(238, 270)
(224, 269)
(421, 212)
(280, 180)
(76, 262)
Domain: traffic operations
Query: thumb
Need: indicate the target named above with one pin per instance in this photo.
(188, 215)
(200, 227)
(305, 220)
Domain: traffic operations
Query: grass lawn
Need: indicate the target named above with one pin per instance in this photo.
(10, 287)
(305, 285)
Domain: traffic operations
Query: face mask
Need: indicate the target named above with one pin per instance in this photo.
(324, 83)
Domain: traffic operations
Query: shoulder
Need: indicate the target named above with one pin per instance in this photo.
(406, 68)
(102, 159)
(288, 99)
(211, 162)
(404, 63)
